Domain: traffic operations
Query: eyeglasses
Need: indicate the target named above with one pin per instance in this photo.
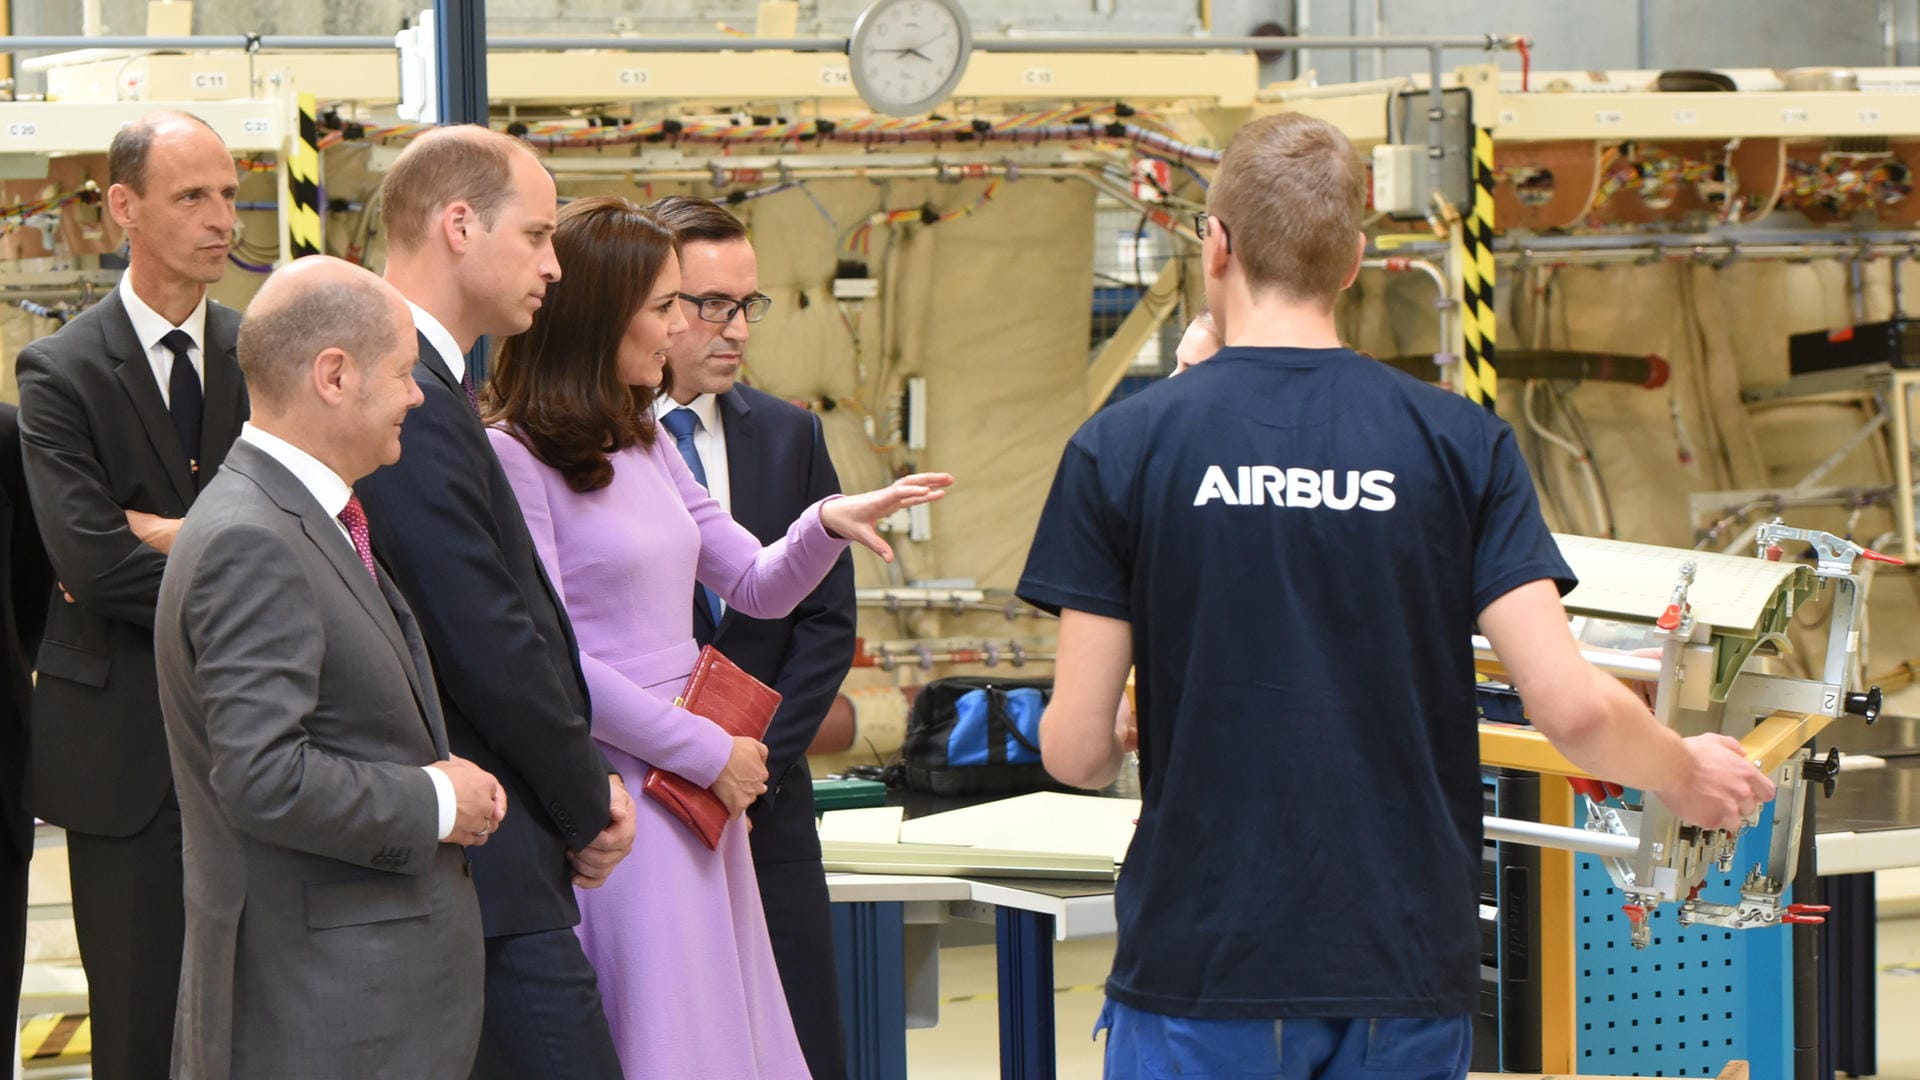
(721, 309)
(1204, 222)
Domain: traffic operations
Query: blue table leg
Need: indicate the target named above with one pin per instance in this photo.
(869, 948)
(1025, 939)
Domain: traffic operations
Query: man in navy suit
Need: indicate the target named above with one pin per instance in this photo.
(765, 461)
(469, 215)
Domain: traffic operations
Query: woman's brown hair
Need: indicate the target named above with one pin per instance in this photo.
(558, 383)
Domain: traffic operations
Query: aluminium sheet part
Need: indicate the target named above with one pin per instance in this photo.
(1741, 595)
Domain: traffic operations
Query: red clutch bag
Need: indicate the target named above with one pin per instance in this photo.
(741, 705)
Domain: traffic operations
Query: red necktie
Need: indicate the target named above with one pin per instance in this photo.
(354, 517)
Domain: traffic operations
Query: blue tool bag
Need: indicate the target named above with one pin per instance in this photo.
(976, 735)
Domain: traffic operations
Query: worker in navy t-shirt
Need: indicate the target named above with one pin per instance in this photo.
(1293, 545)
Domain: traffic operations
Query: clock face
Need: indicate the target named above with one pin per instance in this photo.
(907, 55)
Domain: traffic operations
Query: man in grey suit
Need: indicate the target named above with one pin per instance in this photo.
(316, 791)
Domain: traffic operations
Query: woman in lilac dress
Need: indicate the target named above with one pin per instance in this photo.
(677, 935)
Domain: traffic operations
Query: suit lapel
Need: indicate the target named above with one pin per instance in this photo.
(420, 665)
(431, 359)
(226, 391)
(130, 366)
(292, 496)
(745, 475)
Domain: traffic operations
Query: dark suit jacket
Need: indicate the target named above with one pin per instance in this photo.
(329, 934)
(447, 523)
(777, 466)
(97, 441)
(25, 578)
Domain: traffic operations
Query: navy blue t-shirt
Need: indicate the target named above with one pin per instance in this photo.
(1302, 540)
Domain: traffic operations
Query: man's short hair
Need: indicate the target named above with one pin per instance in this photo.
(278, 344)
(460, 163)
(695, 220)
(131, 146)
(1291, 194)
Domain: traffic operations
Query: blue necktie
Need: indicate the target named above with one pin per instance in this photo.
(682, 423)
(184, 399)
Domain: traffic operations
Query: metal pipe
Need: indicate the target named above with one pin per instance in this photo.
(1302, 23)
(1380, 55)
(1784, 244)
(1561, 837)
(1484, 42)
(26, 42)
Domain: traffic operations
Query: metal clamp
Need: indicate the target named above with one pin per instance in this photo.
(1836, 554)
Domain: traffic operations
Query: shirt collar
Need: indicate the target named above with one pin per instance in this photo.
(326, 485)
(706, 407)
(441, 340)
(150, 326)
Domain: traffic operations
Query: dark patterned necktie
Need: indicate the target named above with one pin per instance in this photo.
(354, 517)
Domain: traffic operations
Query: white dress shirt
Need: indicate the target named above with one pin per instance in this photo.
(332, 493)
(150, 326)
(709, 439)
(441, 340)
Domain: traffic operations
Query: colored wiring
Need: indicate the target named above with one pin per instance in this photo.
(17, 215)
(1143, 132)
(1846, 183)
(859, 240)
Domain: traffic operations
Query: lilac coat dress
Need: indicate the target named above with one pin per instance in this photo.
(677, 934)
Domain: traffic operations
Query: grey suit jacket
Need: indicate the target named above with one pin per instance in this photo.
(328, 934)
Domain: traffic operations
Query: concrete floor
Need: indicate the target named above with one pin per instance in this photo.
(964, 1046)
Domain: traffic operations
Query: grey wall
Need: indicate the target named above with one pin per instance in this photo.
(1645, 34)
(1595, 34)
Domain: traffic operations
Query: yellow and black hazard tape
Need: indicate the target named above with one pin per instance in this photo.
(56, 1036)
(303, 182)
(1479, 380)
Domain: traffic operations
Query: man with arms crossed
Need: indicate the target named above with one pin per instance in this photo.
(765, 461)
(125, 415)
(1293, 544)
(331, 927)
(470, 216)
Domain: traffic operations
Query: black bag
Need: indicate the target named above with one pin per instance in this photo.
(977, 735)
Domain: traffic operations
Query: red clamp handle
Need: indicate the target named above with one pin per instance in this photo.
(1877, 557)
(1670, 619)
(1806, 914)
(1597, 790)
(1636, 914)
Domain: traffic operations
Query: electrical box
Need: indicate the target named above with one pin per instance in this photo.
(1442, 149)
(1400, 180)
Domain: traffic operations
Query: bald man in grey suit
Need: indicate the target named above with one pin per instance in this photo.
(317, 795)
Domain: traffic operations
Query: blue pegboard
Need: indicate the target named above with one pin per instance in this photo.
(1696, 998)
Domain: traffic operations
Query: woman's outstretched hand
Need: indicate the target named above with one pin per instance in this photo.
(854, 517)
